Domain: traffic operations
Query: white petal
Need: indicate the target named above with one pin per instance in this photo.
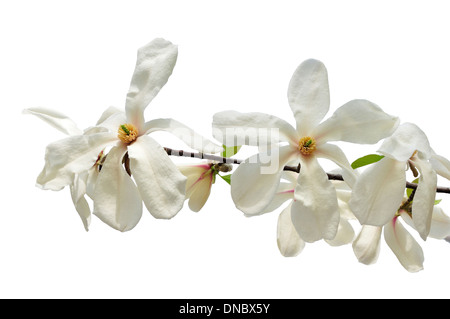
(441, 165)
(113, 122)
(285, 192)
(289, 242)
(110, 120)
(200, 191)
(423, 203)
(110, 111)
(78, 190)
(70, 156)
(366, 246)
(160, 183)
(378, 192)
(309, 95)
(198, 184)
(193, 173)
(56, 119)
(116, 198)
(405, 247)
(404, 142)
(358, 121)
(335, 154)
(344, 235)
(154, 65)
(440, 224)
(252, 189)
(93, 173)
(233, 128)
(315, 212)
(343, 193)
(290, 177)
(184, 133)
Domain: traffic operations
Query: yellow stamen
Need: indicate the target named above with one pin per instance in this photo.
(307, 145)
(128, 133)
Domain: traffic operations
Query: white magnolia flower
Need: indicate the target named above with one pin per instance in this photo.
(82, 183)
(378, 192)
(157, 181)
(289, 241)
(78, 185)
(367, 245)
(315, 212)
(200, 178)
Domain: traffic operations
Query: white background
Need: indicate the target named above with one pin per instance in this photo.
(78, 57)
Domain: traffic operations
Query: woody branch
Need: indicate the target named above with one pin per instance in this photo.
(220, 159)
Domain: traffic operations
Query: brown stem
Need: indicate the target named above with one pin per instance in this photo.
(220, 159)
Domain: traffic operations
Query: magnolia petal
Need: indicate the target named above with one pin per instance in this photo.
(233, 128)
(198, 184)
(290, 177)
(93, 173)
(315, 212)
(441, 165)
(344, 209)
(160, 183)
(335, 154)
(404, 246)
(77, 191)
(193, 174)
(154, 65)
(200, 191)
(56, 119)
(285, 192)
(440, 224)
(309, 95)
(344, 194)
(116, 198)
(110, 111)
(70, 156)
(402, 144)
(366, 246)
(357, 121)
(184, 133)
(423, 203)
(344, 235)
(378, 192)
(113, 122)
(252, 187)
(289, 242)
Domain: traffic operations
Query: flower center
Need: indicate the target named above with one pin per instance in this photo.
(307, 145)
(128, 133)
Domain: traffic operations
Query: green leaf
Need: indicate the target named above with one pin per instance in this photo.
(366, 160)
(230, 151)
(226, 178)
(437, 201)
(410, 190)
